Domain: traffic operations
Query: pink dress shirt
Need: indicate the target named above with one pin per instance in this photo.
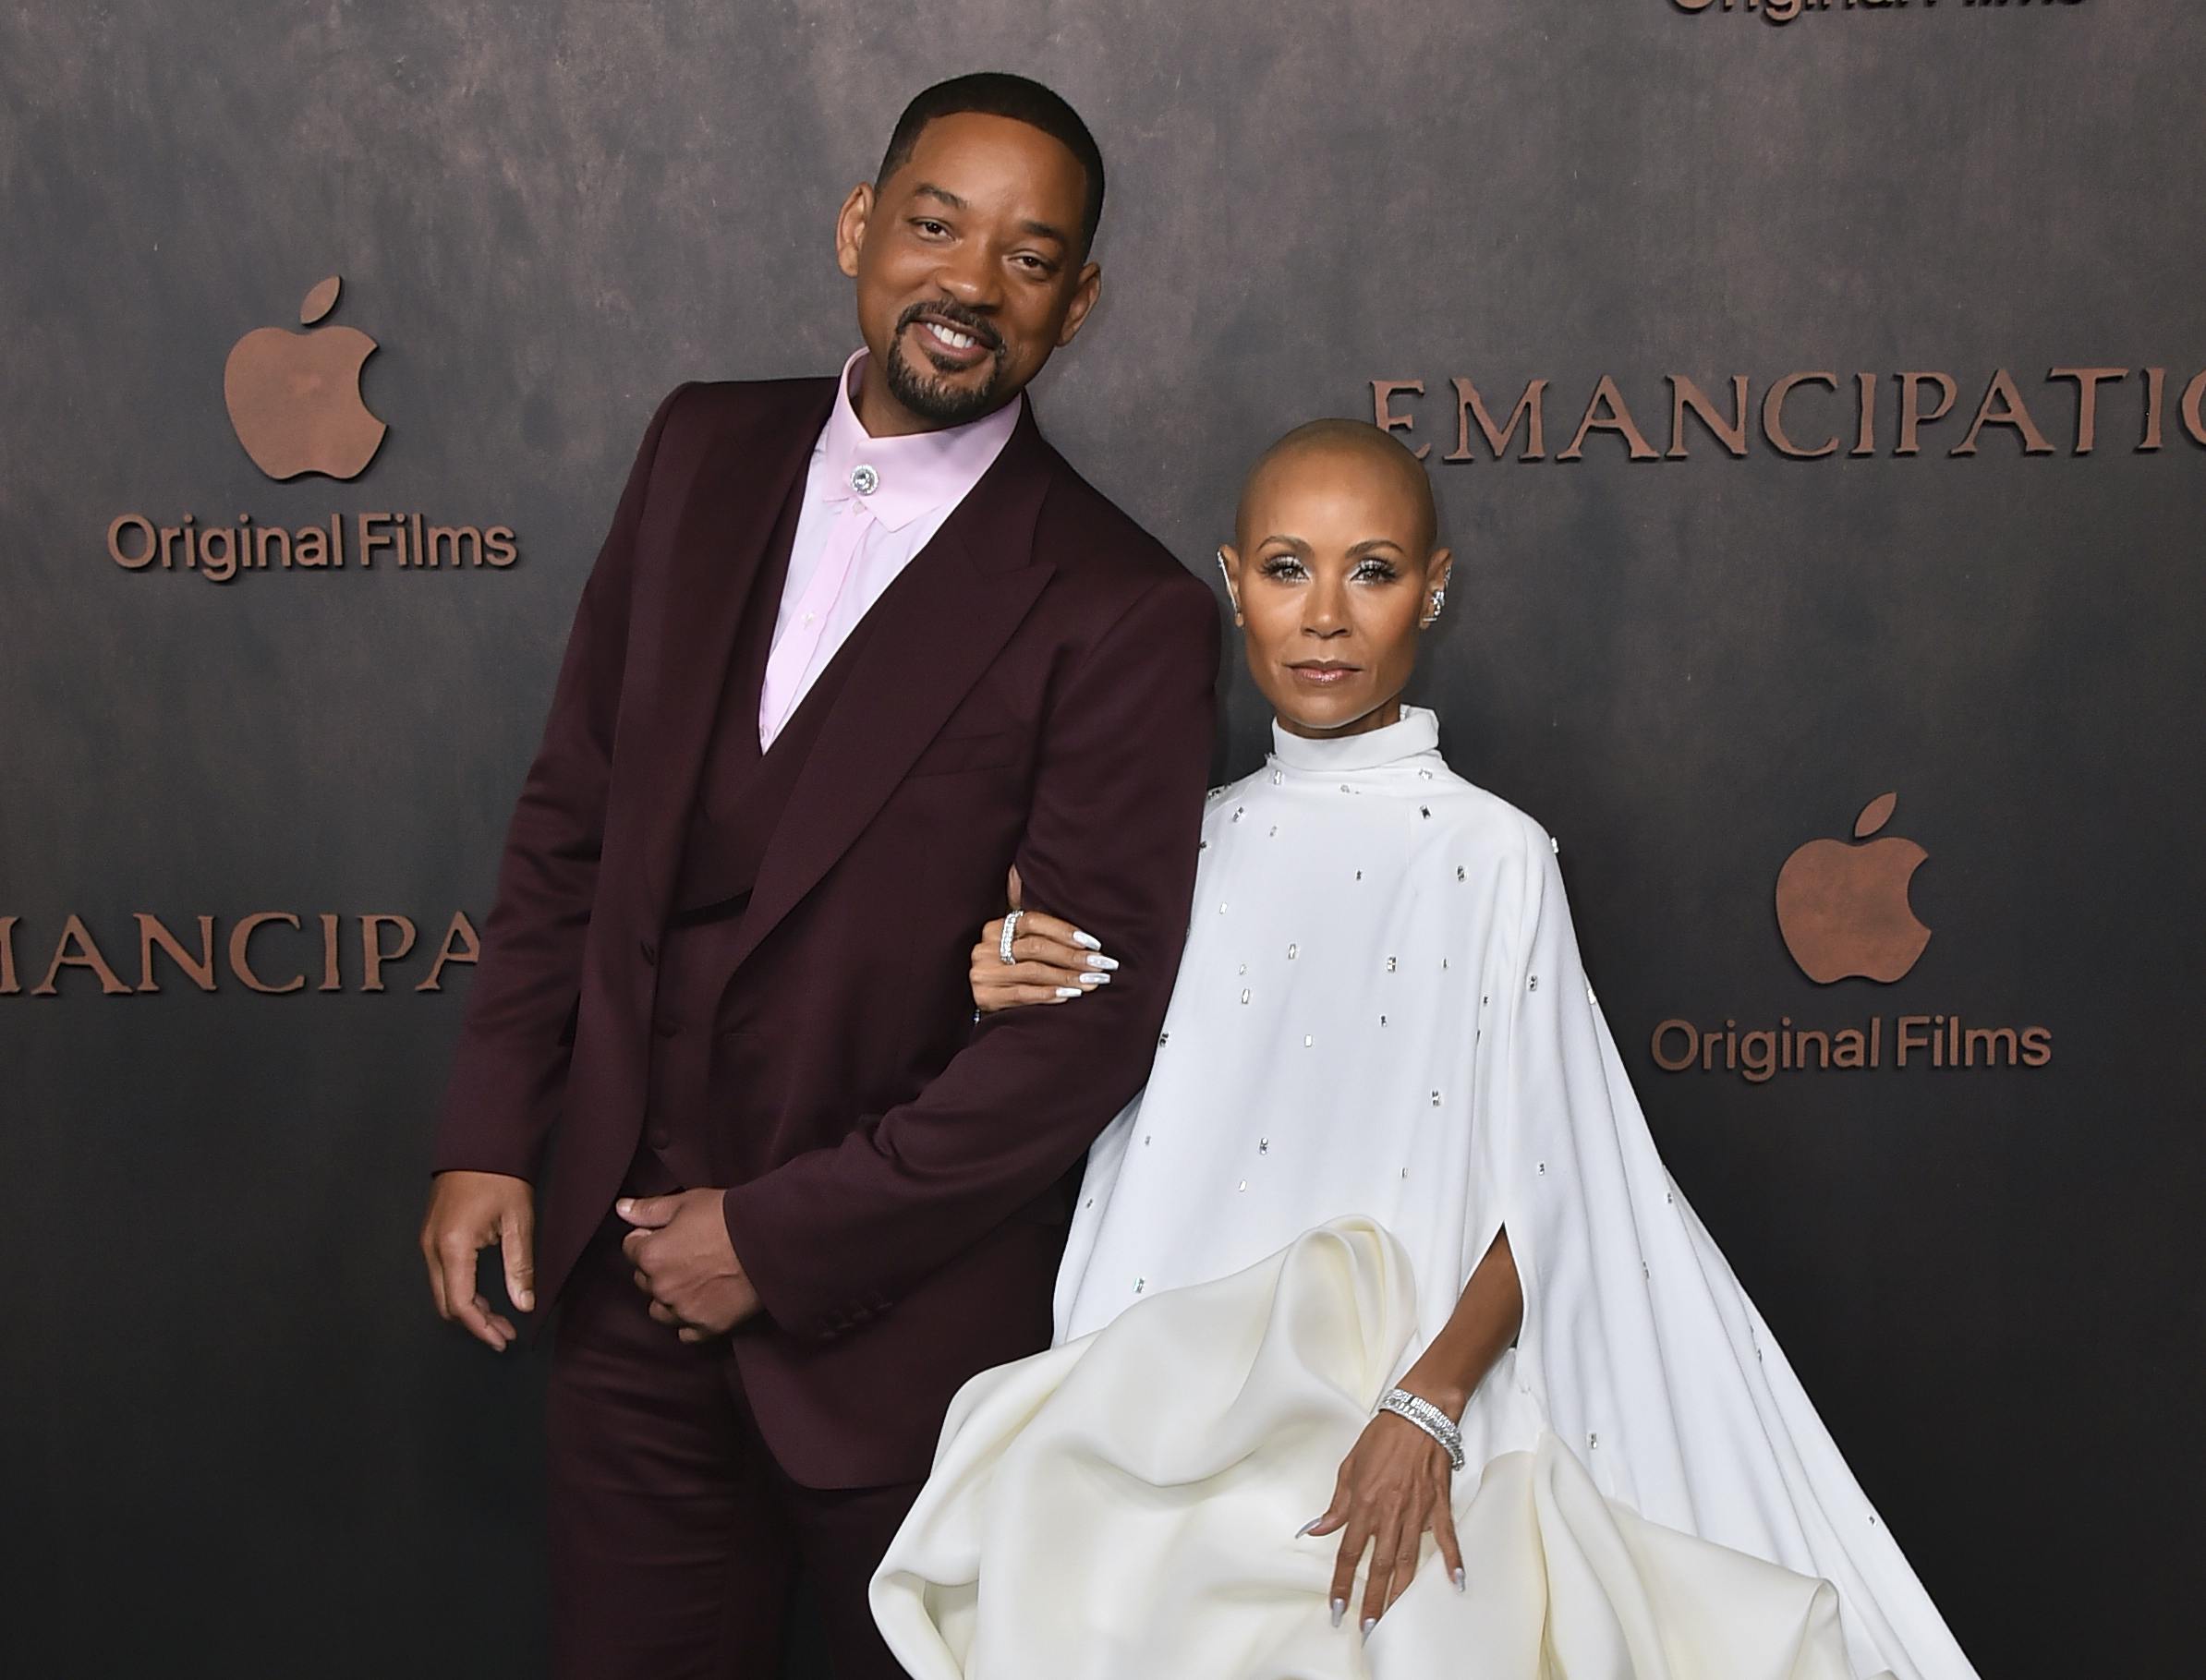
(870, 505)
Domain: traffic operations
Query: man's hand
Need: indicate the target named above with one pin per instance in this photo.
(469, 1211)
(686, 1263)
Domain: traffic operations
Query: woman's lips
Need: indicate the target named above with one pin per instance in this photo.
(1323, 673)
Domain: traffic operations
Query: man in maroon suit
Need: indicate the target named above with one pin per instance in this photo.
(852, 649)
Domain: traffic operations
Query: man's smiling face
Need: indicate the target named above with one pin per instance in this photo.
(970, 271)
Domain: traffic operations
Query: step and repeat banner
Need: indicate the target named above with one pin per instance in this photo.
(1817, 397)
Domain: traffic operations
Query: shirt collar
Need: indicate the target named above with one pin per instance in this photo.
(898, 479)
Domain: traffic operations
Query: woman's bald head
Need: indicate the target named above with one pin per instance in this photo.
(1330, 447)
(1335, 572)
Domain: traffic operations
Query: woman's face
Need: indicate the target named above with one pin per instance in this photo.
(1333, 574)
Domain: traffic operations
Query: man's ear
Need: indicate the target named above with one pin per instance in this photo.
(1085, 290)
(850, 227)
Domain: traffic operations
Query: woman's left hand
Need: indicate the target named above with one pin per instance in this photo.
(1392, 1487)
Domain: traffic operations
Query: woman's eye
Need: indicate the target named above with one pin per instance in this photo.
(1283, 565)
(1375, 572)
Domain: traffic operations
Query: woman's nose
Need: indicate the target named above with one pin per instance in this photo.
(1326, 615)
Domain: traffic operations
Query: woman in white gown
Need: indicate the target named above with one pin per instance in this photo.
(1387, 1149)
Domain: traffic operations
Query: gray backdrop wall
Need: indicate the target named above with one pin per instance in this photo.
(237, 1441)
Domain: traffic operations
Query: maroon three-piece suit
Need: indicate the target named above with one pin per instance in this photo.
(708, 965)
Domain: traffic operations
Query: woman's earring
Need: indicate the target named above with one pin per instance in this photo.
(1440, 600)
(1230, 595)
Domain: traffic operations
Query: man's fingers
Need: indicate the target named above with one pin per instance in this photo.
(516, 1244)
(662, 1313)
(473, 1315)
(456, 1264)
(1014, 889)
(646, 1212)
(436, 1275)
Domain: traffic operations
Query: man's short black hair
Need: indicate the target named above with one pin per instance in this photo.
(998, 93)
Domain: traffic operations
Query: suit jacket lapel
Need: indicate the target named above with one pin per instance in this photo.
(679, 653)
(934, 633)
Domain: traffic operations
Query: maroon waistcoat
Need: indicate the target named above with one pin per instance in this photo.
(742, 795)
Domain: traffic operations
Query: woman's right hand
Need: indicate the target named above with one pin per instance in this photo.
(1053, 961)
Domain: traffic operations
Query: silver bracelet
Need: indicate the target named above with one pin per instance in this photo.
(1429, 1417)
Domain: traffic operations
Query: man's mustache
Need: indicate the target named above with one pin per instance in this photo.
(957, 315)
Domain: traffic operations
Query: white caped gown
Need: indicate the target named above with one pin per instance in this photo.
(1382, 1049)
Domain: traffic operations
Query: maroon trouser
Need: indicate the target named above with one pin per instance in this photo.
(676, 1538)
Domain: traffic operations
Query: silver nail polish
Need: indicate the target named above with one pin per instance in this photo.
(1103, 962)
(1094, 980)
(1070, 991)
(1369, 1623)
(1086, 941)
(1307, 1527)
(1459, 1583)
(1340, 1609)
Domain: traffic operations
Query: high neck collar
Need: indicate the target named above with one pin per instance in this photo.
(1417, 732)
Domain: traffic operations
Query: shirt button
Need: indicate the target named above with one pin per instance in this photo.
(864, 480)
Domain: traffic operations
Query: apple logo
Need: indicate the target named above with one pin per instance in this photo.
(295, 397)
(1843, 909)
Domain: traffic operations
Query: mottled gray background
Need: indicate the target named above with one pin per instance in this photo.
(236, 1440)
